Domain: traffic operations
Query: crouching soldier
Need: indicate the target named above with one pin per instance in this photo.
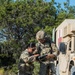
(26, 60)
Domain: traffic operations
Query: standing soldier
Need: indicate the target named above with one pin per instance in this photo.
(46, 46)
(26, 60)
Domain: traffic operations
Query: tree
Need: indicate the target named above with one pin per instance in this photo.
(21, 20)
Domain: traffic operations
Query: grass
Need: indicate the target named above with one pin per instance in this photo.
(1, 71)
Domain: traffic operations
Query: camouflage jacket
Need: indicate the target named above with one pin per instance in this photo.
(26, 62)
(47, 48)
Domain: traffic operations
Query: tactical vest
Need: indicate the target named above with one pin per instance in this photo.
(44, 49)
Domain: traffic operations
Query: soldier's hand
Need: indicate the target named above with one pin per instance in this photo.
(36, 55)
(50, 56)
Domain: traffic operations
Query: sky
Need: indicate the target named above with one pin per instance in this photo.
(72, 2)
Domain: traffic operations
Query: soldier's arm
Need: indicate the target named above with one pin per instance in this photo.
(26, 58)
(32, 58)
(54, 49)
(54, 52)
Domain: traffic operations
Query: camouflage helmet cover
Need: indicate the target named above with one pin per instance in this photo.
(40, 34)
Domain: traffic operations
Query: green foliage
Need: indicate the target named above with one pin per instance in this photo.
(36, 69)
(15, 68)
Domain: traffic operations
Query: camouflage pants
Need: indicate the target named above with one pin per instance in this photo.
(23, 73)
(22, 70)
(47, 69)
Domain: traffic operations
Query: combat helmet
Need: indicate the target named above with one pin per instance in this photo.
(40, 34)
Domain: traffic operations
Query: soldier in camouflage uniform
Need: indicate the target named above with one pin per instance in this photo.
(26, 60)
(46, 46)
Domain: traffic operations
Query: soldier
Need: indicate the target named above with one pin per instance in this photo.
(46, 46)
(26, 60)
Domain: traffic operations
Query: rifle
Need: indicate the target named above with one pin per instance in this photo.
(42, 58)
